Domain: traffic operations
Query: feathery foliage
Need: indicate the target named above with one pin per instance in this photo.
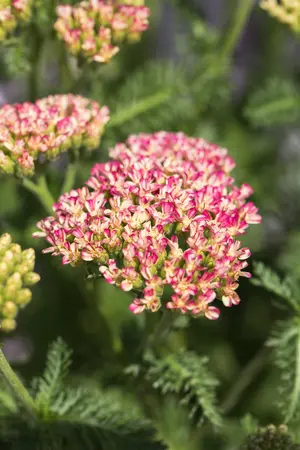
(286, 344)
(49, 385)
(275, 103)
(187, 375)
(151, 98)
(74, 415)
(268, 279)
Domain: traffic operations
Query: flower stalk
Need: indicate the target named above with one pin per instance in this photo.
(41, 191)
(17, 386)
(242, 13)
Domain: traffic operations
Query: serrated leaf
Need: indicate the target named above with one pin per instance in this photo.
(187, 375)
(268, 279)
(275, 103)
(285, 341)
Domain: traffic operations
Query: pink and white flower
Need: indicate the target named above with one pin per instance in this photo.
(132, 222)
(94, 28)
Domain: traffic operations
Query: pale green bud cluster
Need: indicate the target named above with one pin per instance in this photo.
(16, 278)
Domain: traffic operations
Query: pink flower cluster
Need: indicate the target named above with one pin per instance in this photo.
(12, 12)
(93, 28)
(47, 127)
(164, 212)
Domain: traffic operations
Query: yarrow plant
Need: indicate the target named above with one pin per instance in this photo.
(31, 132)
(154, 239)
(164, 212)
(13, 12)
(285, 11)
(93, 29)
(16, 278)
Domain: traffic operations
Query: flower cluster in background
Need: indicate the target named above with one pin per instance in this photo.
(12, 12)
(164, 212)
(46, 128)
(94, 28)
(270, 438)
(285, 11)
(16, 276)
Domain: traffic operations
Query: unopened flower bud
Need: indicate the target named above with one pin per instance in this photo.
(7, 325)
(8, 259)
(31, 278)
(4, 272)
(16, 250)
(5, 241)
(9, 310)
(15, 280)
(28, 258)
(270, 438)
(23, 297)
(15, 274)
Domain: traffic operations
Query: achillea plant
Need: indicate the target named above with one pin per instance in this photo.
(159, 226)
(13, 12)
(285, 11)
(16, 277)
(165, 212)
(42, 130)
(94, 29)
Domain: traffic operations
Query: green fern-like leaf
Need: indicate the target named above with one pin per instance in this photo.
(286, 344)
(188, 375)
(151, 98)
(276, 103)
(268, 279)
(49, 385)
(104, 411)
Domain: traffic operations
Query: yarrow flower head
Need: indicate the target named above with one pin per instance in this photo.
(270, 438)
(93, 29)
(285, 11)
(44, 129)
(16, 277)
(163, 214)
(11, 13)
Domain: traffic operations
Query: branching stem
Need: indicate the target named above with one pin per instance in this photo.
(41, 191)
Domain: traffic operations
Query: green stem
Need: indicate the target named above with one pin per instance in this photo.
(163, 328)
(41, 191)
(147, 103)
(34, 75)
(70, 178)
(17, 387)
(66, 74)
(240, 18)
(245, 378)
